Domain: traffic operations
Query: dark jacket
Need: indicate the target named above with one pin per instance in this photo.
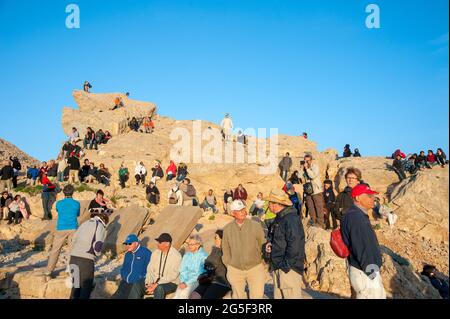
(226, 196)
(344, 200)
(157, 171)
(134, 268)
(329, 198)
(214, 261)
(74, 163)
(7, 172)
(421, 159)
(53, 171)
(288, 242)
(285, 164)
(15, 163)
(398, 164)
(5, 201)
(360, 238)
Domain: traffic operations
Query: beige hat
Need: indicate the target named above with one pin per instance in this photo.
(280, 197)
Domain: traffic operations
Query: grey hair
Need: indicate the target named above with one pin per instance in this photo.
(197, 238)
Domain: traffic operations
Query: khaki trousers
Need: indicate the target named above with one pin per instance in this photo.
(4, 213)
(255, 279)
(6, 184)
(73, 176)
(287, 285)
(58, 242)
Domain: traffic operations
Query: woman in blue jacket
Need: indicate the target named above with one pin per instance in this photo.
(192, 266)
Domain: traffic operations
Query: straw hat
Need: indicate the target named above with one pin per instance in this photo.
(278, 196)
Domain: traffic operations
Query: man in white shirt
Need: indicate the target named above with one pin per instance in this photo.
(227, 126)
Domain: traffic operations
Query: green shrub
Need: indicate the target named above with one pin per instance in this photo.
(212, 217)
(31, 190)
(84, 188)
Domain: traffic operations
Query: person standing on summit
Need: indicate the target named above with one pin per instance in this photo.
(227, 126)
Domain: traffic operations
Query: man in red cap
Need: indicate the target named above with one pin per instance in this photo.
(364, 262)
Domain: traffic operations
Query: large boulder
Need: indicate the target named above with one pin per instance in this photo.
(125, 221)
(178, 221)
(94, 110)
(422, 204)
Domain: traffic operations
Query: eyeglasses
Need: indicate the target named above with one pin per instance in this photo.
(128, 244)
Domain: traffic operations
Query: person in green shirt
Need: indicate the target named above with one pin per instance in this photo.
(123, 175)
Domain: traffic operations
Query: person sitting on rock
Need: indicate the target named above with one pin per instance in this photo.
(134, 124)
(163, 271)
(189, 193)
(356, 153)
(139, 173)
(441, 158)
(240, 193)
(74, 136)
(228, 194)
(305, 135)
(134, 270)
(108, 136)
(257, 208)
(89, 139)
(117, 103)
(100, 137)
(182, 172)
(347, 151)
(75, 149)
(17, 210)
(100, 201)
(210, 202)
(330, 200)
(175, 196)
(192, 266)
(431, 159)
(32, 175)
(87, 86)
(422, 161)
(123, 175)
(398, 167)
(149, 126)
(84, 172)
(157, 172)
(5, 200)
(171, 171)
(92, 173)
(440, 284)
(67, 223)
(87, 246)
(103, 175)
(213, 284)
(152, 194)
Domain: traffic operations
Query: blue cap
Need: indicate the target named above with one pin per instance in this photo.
(132, 238)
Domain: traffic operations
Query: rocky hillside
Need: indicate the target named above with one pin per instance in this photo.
(7, 150)
(421, 203)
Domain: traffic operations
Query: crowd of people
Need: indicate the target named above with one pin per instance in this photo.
(267, 237)
(414, 163)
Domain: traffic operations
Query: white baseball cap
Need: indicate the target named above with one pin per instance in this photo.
(237, 205)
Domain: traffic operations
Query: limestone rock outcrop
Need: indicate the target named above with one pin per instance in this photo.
(94, 110)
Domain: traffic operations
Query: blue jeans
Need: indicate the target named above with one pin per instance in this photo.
(60, 177)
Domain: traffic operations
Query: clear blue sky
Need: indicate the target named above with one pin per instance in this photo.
(297, 65)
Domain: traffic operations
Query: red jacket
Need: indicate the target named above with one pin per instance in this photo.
(242, 195)
(172, 168)
(431, 158)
